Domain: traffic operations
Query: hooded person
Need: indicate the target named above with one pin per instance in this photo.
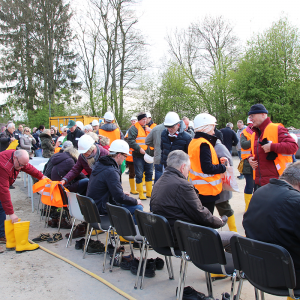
(47, 143)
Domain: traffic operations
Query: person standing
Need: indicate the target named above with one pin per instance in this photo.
(47, 143)
(7, 136)
(19, 132)
(74, 134)
(27, 141)
(95, 125)
(150, 122)
(38, 150)
(229, 137)
(241, 127)
(188, 128)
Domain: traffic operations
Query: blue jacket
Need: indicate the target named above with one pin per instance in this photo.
(105, 185)
(180, 143)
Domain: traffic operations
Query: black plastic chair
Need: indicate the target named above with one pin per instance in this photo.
(268, 267)
(203, 246)
(156, 231)
(123, 224)
(91, 215)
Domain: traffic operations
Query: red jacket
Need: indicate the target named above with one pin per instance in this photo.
(8, 175)
(266, 168)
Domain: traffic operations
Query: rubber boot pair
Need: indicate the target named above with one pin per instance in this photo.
(247, 200)
(231, 223)
(140, 189)
(17, 236)
(132, 186)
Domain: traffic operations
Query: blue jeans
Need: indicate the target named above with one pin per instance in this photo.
(2, 219)
(158, 171)
(132, 209)
(249, 184)
(239, 154)
(82, 186)
(140, 166)
(38, 152)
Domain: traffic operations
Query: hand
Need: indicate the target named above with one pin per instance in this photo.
(62, 182)
(142, 151)
(12, 139)
(14, 218)
(148, 129)
(267, 147)
(139, 202)
(224, 160)
(126, 193)
(253, 163)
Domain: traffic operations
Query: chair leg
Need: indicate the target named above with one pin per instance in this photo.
(71, 234)
(183, 279)
(116, 238)
(232, 285)
(144, 266)
(131, 248)
(140, 264)
(47, 216)
(256, 294)
(42, 212)
(239, 291)
(86, 239)
(169, 266)
(180, 279)
(105, 253)
(60, 216)
(262, 295)
(209, 284)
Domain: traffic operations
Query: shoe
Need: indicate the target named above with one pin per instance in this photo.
(127, 258)
(116, 260)
(55, 238)
(64, 224)
(96, 247)
(3, 240)
(53, 223)
(189, 293)
(126, 265)
(79, 244)
(42, 237)
(140, 189)
(10, 235)
(159, 263)
(95, 232)
(133, 190)
(12, 187)
(21, 230)
(226, 296)
(215, 277)
(79, 231)
(148, 189)
(149, 272)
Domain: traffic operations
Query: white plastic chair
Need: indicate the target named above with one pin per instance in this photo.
(75, 213)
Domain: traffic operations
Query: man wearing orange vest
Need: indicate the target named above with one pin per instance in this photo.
(137, 141)
(109, 129)
(272, 147)
(150, 123)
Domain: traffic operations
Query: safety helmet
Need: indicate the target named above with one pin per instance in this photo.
(148, 115)
(109, 116)
(204, 119)
(95, 123)
(249, 121)
(148, 159)
(171, 119)
(85, 142)
(80, 125)
(133, 118)
(119, 146)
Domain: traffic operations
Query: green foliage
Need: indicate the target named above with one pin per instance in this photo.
(38, 117)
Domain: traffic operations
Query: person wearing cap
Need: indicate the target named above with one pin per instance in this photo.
(174, 137)
(150, 123)
(109, 129)
(89, 155)
(95, 125)
(272, 147)
(136, 139)
(206, 169)
(74, 134)
(105, 181)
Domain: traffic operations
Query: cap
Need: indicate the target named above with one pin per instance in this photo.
(71, 124)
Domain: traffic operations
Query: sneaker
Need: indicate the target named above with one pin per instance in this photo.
(159, 263)
(149, 272)
(189, 293)
(3, 240)
(42, 237)
(55, 238)
(226, 296)
(79, 244)
(12, 187)
(126, 265)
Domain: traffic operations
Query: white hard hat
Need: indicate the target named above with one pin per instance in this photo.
(95, 123)
(133, 118)
(204, 119)
(109, 116)
(294, 136)
(119, 146)
(191, 124)
(85, 142)
(148, 115)
(249, 121)
(88, 127)
(80, 125)
(171, 119)
(61, 138)
(148, 159)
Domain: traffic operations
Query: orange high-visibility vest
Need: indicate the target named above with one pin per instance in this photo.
(271, 134)
(112, 135)
(57, 149)
(129, 157)
(50, 192)
(141, 136)
(245, 153)
(153, 125)
(206, 184)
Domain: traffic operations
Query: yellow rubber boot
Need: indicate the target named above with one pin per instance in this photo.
(231, 224)
(143, 180)
(95, 232)
(21, 234)
(217, 276)
(132, 186)
(148, 189)
(139, 187)
(10, 235)
(247, 200)
(289, 298)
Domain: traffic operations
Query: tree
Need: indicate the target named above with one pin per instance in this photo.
(269, 73)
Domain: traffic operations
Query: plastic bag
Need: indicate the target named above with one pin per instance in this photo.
(228, 180)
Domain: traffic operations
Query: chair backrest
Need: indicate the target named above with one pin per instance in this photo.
(202, 244)
(155, 228)
(74, 208)
(121, 219)
(63, 194)
(264, 264)
(88, 209)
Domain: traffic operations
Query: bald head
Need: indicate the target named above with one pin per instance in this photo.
(21, 159)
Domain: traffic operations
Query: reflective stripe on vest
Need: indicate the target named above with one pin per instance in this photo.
(141, 136)
(112, 135)
(129, 157)
(206, 184)
(245, 153)
(271, 134)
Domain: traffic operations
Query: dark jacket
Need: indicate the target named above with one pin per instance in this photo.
(273, 216)
(229, 138)
(266, 168)
(175, 198)
(54, 138)
(74, 137)
(219, 135)
(5, 137)
(246, 144)
(36, 136)
(105, 185)
(206, 163)
(46, 145)
(181, 142)
(82, 165)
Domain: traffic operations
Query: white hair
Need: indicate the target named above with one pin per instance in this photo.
(88, 127)
(177, 158)
(10, 125)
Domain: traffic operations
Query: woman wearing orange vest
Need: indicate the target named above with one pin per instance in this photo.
(206, 170)
(247, 169)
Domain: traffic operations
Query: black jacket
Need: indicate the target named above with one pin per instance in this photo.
(229, 138)
(273, 217)
(74, 137)
(180, 143)
(175, 198)
(105, 185)
(5, 137)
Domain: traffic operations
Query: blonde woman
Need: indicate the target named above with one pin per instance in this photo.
(26, 141)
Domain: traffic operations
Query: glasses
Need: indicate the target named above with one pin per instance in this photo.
(125, 155)
(19, 163)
